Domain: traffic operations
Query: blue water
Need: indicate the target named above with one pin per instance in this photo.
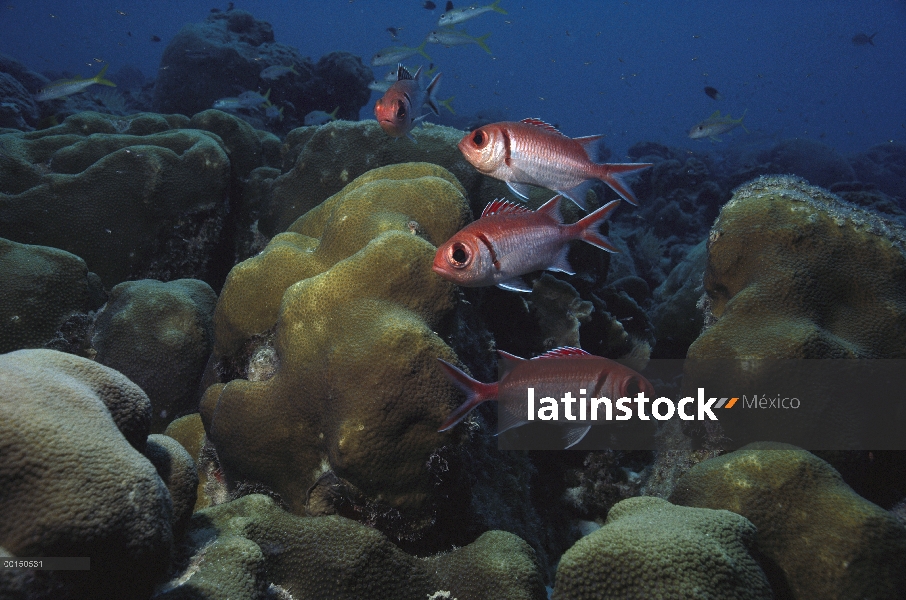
(632, 70)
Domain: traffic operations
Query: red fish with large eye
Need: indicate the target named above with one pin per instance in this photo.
(550, 375)
(510, 240)
(400, 107)
(531, 152)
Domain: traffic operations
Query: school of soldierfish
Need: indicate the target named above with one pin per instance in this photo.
(510, 240)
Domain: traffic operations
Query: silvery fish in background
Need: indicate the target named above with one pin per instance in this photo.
(458, 15)
(716, 125)
(67, 87)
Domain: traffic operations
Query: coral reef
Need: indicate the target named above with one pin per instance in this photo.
(160, 336)
(224, 57)
(348, 301)
(73, 480)
(115, 197)
(319, 161)
(649, 548)
(826, 541)
(42, 288)
(795, 272)
(251, 546)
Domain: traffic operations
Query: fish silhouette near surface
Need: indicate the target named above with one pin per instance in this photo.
(862, 39)
(716, 125)
(550, 375)
(399, 108)
(533, 153)
(68, 87)
(511, 240)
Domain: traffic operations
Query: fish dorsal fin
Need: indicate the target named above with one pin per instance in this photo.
(402, 73)
(542, 125)
(507, 356)
(564, 352)
(716, 115)
(552, 208)
(502, 206)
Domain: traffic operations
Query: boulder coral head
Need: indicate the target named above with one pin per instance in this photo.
(326, 348)
(795, 272)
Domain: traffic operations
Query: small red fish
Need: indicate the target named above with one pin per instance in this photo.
(549, 376)
(399, 108)
(531, 152)
(510, 240)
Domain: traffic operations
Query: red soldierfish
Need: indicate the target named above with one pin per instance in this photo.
(589, 375)
(510, 240)
(531, 152)
(400, 107)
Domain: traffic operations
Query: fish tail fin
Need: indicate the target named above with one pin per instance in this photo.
(99, 78)
(871, 38)
(292, 69)
(333, 113)
(613, 174)
(448, 104)
(432, 88)
(496, 8)
(421, 49)
(475, 391)
(741, 124)
(586, 228)
(482, 42)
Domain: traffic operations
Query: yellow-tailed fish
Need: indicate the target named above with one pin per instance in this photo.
(68, 87)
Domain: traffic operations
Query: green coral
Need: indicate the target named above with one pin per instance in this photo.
(828, 541)
(649, 548)
(42, 287)
(249, 546)
(345, 304)
(160, 336)
(137, 196)
(795, 272)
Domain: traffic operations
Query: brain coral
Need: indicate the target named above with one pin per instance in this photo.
(827, 541)
(133, 196)
(249, 546)
(349, 388)
(795, 272)
(160, 336)
(41, 288)
(649, 548)
(73, 480)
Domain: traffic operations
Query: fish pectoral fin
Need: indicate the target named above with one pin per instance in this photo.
(520, 189)
(714, 138)
(516, 284)
(574, 435)
(561, 262)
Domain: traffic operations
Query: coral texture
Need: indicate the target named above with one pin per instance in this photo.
(827, 541)
(795, 272)
(114, 191)
(160, 336)
(348, 388)
(73, 480)
(649, 548)
(42, 287)
(249, 546)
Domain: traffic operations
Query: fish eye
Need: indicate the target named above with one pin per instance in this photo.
(633, 387)
(459, 255)
(479, 138)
